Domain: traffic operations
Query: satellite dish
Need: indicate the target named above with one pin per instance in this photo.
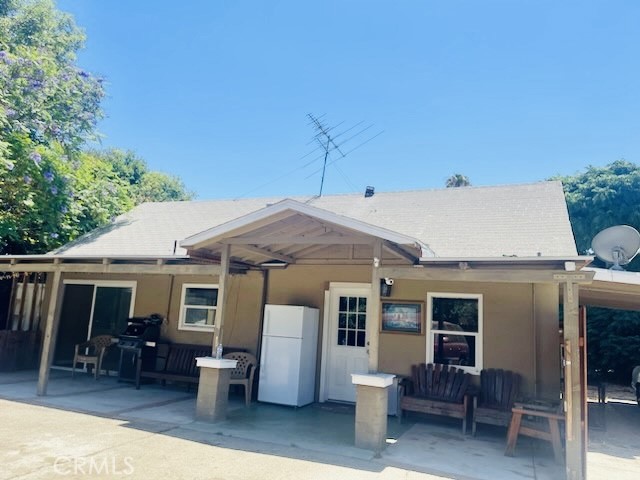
(616, 245)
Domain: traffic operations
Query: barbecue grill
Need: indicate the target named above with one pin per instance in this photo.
(138, 341)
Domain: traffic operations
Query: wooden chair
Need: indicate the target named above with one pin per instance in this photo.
(244, 372)
(97, 346)
(493, 403)
(438, 390)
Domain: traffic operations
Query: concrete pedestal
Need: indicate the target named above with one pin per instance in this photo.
(371, 409)
(213, 388)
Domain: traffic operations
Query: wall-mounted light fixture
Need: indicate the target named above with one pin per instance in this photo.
(385, 287)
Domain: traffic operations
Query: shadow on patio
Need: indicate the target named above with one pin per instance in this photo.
(326, 430)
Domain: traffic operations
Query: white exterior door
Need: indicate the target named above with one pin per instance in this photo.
(347, 348)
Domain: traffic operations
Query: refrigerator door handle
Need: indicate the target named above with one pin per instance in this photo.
(267, 317)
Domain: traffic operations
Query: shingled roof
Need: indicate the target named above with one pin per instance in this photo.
(513, 220)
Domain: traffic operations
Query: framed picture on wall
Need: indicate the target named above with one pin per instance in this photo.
(402, 317)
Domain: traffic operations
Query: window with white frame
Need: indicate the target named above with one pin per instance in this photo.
(198, 306)
(454, 330)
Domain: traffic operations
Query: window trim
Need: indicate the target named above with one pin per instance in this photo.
(195, 328)
(479, 334)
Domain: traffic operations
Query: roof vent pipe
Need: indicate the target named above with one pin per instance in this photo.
(369, 192)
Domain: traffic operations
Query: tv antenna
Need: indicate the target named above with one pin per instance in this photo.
(616, 245)
(326, 140)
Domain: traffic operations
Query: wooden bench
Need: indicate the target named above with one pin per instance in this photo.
(493, 403)
(175, 362)
(438, 390)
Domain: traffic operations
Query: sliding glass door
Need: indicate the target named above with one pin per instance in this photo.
(90, 309)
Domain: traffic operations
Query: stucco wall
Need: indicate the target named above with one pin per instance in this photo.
(511, 339)
(508, 340)
(547, 340)
(162, 294)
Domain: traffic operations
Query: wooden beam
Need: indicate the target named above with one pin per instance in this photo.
(9, 324)
(151, 269)
(331, 239)
(223, 281)
(393, 248)
(508, 275)
(50, 332)
(265, 252)
(23, 298)
(373, 322)
(575, 445)
(307, 250)
(344, 261)
(34, 298)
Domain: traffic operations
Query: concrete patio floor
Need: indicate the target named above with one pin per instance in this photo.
(326, 430)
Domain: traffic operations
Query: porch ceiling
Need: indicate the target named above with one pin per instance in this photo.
(612, 289)
(292, 232)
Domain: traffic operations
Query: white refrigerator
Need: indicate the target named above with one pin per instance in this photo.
(288, 358)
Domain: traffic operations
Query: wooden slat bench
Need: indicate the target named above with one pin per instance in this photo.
(438, 390)
(177, 363)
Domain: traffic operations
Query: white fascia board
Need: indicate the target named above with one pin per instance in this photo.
(217, 233)
(614, 276)
(52, 257)
(536, 259)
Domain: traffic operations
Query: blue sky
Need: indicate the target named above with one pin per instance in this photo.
(509, 91)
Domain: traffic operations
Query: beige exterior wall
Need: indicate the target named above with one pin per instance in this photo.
(305, 285)
(162, 294)
(511, 339)
(547, 340)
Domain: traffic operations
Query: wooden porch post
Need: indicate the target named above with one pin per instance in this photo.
(50, 332)
(374, 309)
(574, 408)
(222, 296)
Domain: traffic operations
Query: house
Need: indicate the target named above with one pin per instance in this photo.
(504, 255)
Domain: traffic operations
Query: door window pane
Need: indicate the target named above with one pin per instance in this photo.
(343, 304)
(362, 305)
(352, 321)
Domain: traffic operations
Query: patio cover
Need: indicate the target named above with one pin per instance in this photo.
(612, 289)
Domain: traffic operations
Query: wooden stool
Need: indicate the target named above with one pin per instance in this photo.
(531, 429)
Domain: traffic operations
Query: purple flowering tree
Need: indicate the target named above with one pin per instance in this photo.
(51, 188)
(48, 109)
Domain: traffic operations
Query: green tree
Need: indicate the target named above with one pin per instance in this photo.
(598, 198)
(602, 197)
(457, 180)
(51, 190)
(49, 108)
(160, 187)
(146, 185)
